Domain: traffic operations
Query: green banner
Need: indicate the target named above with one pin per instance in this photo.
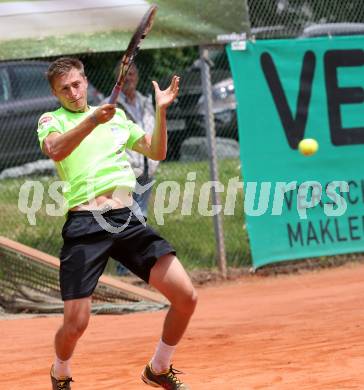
(300, 206)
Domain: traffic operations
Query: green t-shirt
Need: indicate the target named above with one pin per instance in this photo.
(99, 164)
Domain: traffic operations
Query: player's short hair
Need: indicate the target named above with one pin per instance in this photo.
(62, 66)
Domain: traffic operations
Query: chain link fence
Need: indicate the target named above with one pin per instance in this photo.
(179, 207)
(272, 19)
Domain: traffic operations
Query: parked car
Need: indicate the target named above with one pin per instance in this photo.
(186, 116)
(330, 29)
(24, 96)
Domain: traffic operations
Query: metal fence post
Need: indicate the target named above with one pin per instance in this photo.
(211, 141)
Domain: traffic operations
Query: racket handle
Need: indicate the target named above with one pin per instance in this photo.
(114, 94)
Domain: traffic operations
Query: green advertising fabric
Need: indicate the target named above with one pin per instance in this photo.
(288, 90)
(50, 28)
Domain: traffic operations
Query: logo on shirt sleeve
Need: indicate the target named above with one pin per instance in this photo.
(45, 119)
(45, 122)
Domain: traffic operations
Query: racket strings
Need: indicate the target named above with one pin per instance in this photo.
(134, 45)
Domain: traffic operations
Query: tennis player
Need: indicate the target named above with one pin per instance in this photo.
(88, 145)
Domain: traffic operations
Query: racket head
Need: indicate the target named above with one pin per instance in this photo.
(140, 33)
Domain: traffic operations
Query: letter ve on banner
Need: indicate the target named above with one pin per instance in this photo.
(288, 90)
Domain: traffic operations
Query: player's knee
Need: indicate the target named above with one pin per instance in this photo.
(192, 301)
(74, 329)
(187, 302)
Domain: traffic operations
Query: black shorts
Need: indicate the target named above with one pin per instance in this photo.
(87, 247)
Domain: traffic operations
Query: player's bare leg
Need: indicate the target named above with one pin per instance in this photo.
(170, 278)
(75, 321)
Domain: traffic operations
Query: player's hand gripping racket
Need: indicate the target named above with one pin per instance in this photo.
(132, 50)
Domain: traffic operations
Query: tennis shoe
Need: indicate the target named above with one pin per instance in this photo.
(63, 383)
(166, 380)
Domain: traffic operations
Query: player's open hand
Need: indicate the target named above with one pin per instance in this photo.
(104, 113)
(165, 98)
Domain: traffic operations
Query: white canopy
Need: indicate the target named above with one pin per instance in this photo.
(45, 28)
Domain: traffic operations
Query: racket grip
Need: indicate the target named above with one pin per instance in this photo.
(114, 94)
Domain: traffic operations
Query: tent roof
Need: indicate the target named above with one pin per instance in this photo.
(47, 28)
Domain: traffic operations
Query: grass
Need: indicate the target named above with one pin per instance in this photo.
(191, 234)
(14, 223)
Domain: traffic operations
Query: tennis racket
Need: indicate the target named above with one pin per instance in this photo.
(132, 50)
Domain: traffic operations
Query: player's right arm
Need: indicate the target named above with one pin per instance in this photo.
(58, 146)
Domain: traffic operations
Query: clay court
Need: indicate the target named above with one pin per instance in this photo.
(287, 332)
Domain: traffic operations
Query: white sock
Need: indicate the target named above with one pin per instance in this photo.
(62, 368)
(162, 357)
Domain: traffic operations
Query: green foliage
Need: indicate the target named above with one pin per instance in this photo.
(159, 64)
(162, 64)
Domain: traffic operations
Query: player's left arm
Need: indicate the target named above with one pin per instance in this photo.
(155, 146)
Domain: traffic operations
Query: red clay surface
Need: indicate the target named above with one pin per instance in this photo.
(288, 332)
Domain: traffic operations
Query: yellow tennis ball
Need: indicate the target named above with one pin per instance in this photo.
(308, 146)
